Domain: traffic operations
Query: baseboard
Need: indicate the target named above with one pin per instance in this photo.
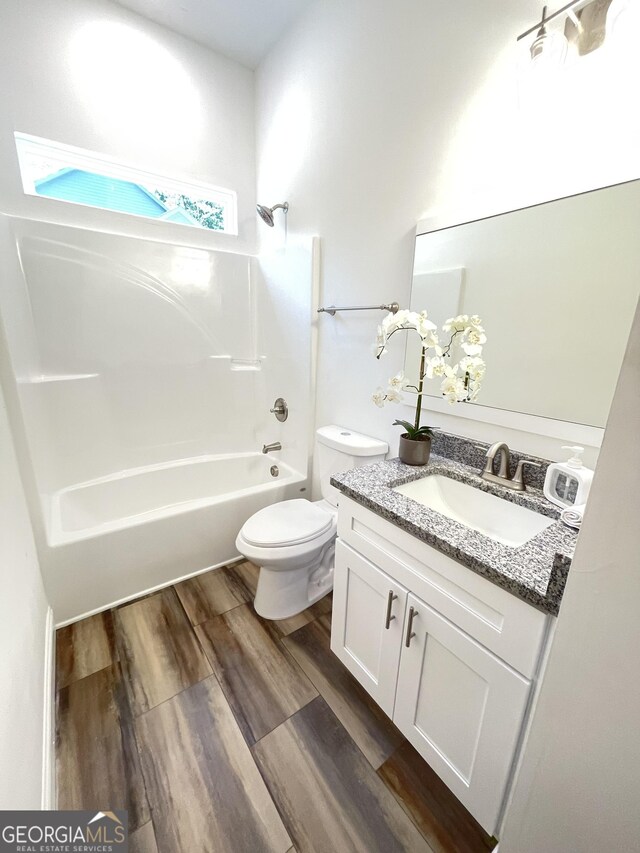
(142, 592)
(49, 716)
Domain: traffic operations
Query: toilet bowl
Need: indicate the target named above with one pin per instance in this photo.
(293, 542)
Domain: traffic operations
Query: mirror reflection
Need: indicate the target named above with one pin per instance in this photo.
(556, 285)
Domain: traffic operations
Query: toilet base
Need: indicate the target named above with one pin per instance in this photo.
(282, 594)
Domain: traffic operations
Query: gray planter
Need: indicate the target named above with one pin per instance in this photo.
(414, 451)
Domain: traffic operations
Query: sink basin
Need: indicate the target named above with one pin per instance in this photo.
(494, 517)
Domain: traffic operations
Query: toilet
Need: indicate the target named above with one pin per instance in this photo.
(293, 542)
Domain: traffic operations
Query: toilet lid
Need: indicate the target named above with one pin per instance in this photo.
(287, 523)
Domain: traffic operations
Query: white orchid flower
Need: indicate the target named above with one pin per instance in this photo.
(394, 396)
(448, 389)
(379, 397)
(435, 367)
(388, 325)
(453, 389)
(426, 329)
(397, 382)
(456, 324)
(476, 336)
(473, 340)
(412, 320)
(474, 366)
(430, 339)
(460, 381)
(395, 321)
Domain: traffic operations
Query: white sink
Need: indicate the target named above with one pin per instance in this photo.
(494, 517)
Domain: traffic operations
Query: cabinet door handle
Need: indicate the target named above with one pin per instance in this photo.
(410, 634)
(390, 599)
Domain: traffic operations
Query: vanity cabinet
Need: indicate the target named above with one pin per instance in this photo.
(462, 709)
(369, 627)
(448, 655)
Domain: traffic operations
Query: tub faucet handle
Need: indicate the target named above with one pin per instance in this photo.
(280, 409)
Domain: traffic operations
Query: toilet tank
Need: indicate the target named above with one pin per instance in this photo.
(339, 449)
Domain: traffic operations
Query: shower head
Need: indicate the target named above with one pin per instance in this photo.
(266, 213)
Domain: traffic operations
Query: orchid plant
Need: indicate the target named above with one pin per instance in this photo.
(460, 381)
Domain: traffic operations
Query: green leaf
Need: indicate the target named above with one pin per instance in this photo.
(412, 432)
(409, 427)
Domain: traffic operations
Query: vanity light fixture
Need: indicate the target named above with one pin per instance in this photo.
(546, 18)
(548, 48)
(587, 25)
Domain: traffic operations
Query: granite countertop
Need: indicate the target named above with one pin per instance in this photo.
(536, 571)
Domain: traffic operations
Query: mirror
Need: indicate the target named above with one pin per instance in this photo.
(556, 286)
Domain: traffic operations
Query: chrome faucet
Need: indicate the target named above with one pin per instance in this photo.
(517, 481)
(269, 448)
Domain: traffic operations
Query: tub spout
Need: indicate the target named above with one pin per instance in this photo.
(268, 448)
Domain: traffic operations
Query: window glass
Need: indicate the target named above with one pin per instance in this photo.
(69, 174)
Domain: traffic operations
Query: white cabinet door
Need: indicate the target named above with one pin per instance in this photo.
(367, 623)
(461, 708)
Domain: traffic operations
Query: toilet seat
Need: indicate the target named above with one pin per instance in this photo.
(288, 523)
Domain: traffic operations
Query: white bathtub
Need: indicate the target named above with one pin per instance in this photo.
(143, 528)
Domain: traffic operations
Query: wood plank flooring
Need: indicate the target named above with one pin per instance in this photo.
(96, 750)
(326, 790)
(204, 788)
(143, 840)
(84, 648)
(220, 731)
(261, 681)
(159, 653)
(365, 721)
(442, 818)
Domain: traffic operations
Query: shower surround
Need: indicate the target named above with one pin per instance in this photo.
(139, 376)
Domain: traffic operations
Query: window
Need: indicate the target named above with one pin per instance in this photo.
(59, 171)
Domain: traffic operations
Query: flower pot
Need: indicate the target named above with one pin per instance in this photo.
(414, 451)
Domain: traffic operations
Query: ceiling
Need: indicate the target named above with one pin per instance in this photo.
(243, 30)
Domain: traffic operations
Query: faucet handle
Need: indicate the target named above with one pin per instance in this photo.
(518, 477)
(280, 409)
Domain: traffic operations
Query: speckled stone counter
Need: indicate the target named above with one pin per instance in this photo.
(536, 571)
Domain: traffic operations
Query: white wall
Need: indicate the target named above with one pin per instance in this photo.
(23, 637)
(580, 778)
(373, 114)
(91, 74)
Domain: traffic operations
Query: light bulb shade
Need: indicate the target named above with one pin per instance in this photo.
(548, 48)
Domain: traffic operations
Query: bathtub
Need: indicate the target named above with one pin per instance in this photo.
(143, 528)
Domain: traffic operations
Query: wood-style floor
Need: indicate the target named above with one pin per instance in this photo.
(221, 732)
